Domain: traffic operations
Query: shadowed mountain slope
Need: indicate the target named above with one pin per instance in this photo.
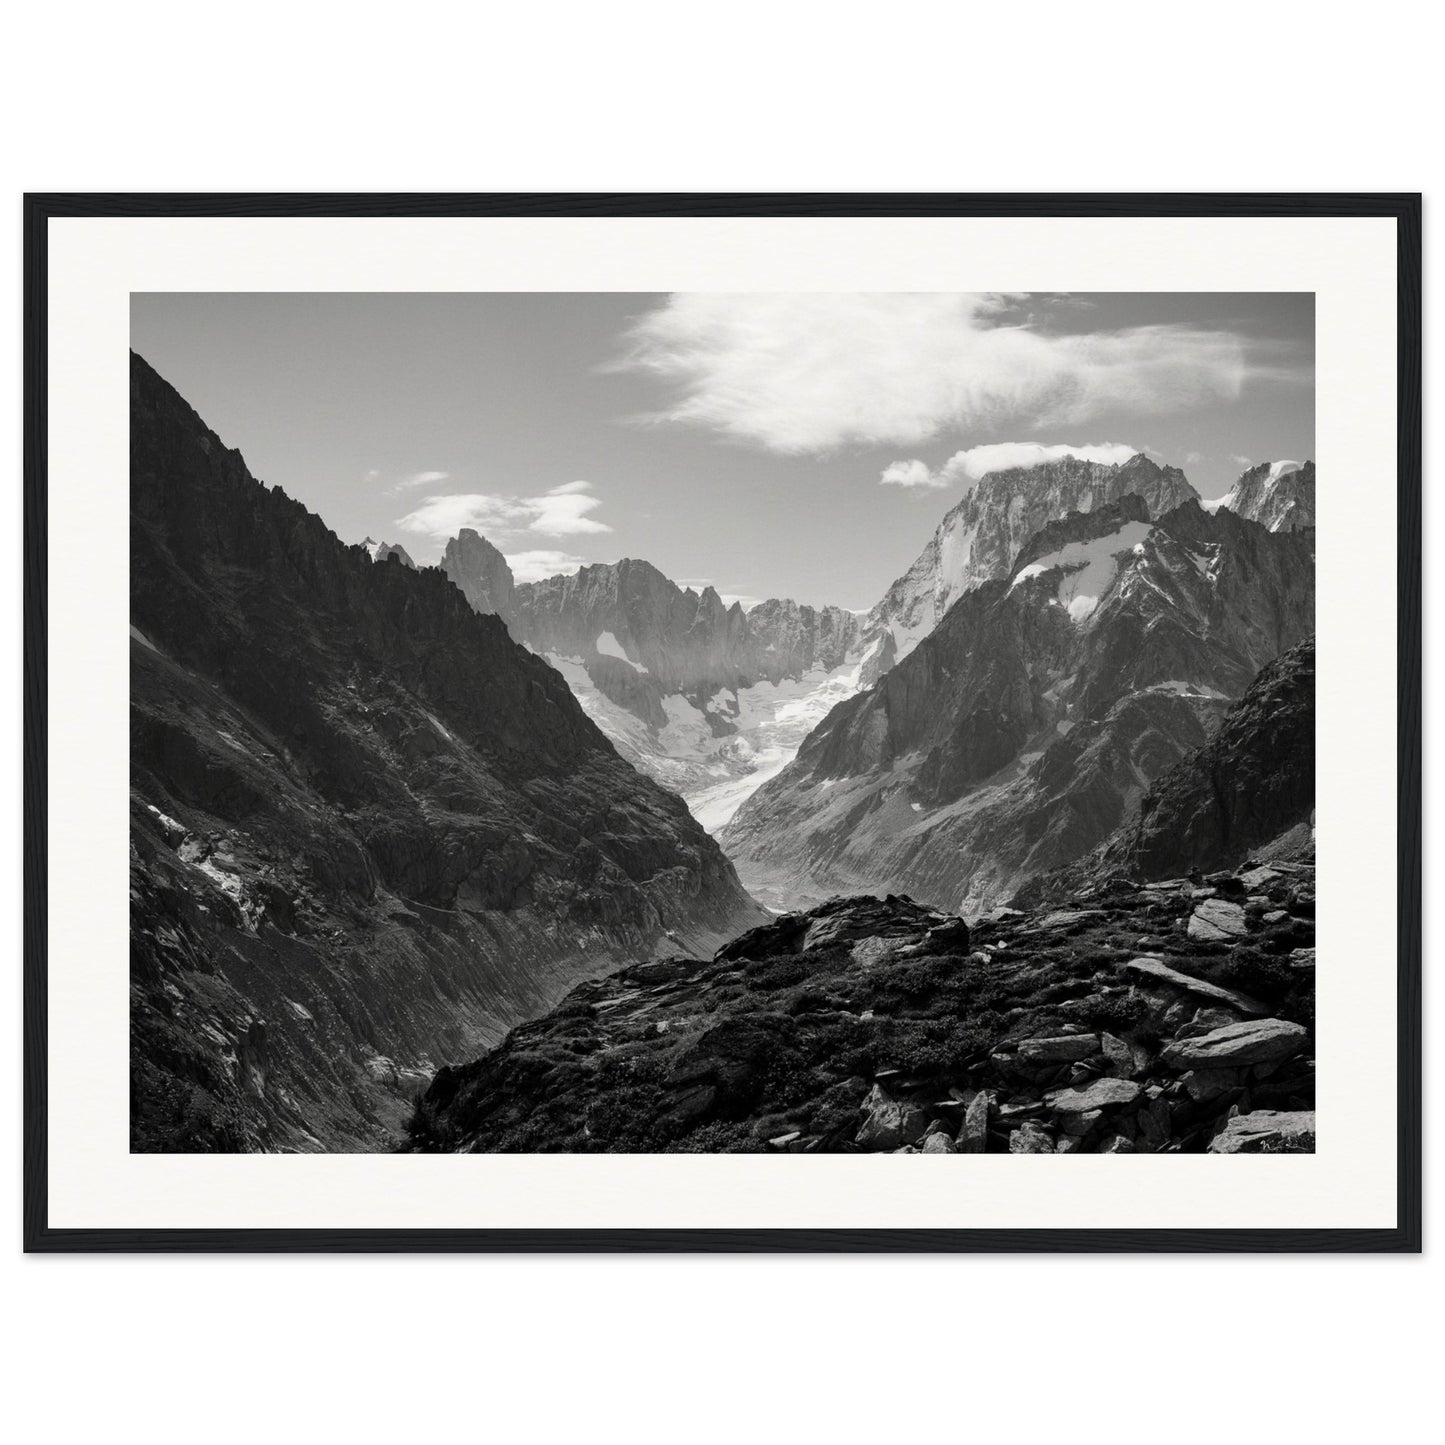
(369, 831)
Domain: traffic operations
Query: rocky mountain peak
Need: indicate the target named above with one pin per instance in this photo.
(1277, 495)
(481, 572)
(982, 535)
(384, 551)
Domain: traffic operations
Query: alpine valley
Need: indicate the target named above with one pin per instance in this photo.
(427, 857)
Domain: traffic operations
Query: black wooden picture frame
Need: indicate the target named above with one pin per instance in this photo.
(1403, 209)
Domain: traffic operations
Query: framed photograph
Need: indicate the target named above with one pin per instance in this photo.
(622, 722)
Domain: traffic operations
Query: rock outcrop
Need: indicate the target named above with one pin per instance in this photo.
(369, 831)
(878, 1025)
(1249, 789)
(1021, 733)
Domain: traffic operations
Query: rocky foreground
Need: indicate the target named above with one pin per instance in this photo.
(1172, 1016)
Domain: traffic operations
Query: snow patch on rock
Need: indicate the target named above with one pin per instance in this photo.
(608, 646)
(1089, 567)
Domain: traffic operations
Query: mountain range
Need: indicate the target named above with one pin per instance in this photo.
(383, 815)
(1126, 1010)
(1021, 730)
(700, 695)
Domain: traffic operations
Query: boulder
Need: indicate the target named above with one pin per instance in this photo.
(1303, 959)
(1030, 1138)
(1080, 1125)
(1103, 1093)
(1202, 1085)
(951, 936)
(1152, 1124)
(973, 1135)
(1206, 1020)
(1257, 879)
(1117, 1144)
(1125, 1059)
(1217, 921)
(1257, 1041)
(1065, 1049)
(1266, 1131)
(1226, 883)
(889, 1122)
(1064, 918)
(938, 1144)
(1159, 972)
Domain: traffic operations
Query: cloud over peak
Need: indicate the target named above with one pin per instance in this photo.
(968, 466)
(912, 474)
(564, 511)
(535, 565)
(806, 373)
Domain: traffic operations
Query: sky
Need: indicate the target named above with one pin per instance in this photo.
(797, 445)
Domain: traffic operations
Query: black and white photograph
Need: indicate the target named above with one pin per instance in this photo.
(777, 723)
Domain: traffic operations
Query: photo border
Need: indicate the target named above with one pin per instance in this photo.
(1404, 209)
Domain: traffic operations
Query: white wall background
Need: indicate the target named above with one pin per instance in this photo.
(654, 96)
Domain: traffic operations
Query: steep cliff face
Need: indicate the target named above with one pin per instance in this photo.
(699, 695)
(1278, 495)
(690, 642)
(791, 638)
(480, 571)
(980, 538)
(369, 831)
(1021, 732)
(1250, 784)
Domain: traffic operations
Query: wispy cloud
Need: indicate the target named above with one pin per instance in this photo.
(1244, 462)
(417, 479)
(564, 511)
(968, 466)
(534, 566)
(806, 373)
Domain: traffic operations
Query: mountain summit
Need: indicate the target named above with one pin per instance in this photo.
(980, 538)
(1277, 495)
